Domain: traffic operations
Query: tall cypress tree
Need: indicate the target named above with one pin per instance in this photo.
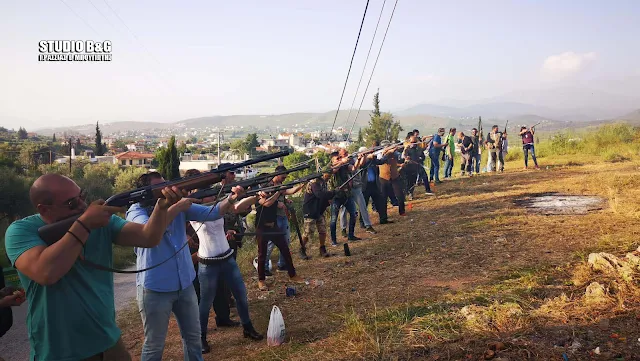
(54, 138)
(99, 148)
(169, 164)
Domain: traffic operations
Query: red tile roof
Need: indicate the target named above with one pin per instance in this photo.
(134, 155)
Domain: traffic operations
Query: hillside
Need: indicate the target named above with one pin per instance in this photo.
(107, 128)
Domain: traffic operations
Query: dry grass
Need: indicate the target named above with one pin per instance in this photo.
(462, 270)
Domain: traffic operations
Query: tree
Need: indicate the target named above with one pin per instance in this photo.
(169, 163)
(295, 159)
(53, 140)
(99, 149)
(15, 195)
(22, 133)
(78, 145)
(98, 180)
(381, 125)
(252, 142)
(360, 137)
(239, 147)
(119, 144)
(126, 180)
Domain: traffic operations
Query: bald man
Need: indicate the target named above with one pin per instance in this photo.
(71, 314)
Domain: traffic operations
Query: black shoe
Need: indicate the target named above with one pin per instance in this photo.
(303, 255)
(323, 251)
(205, 347)
(250, 332)
(386, 222)
(227, 323)
(282, 269)
(268, 273)
(354, 238)
(344, 233)
(371, 230)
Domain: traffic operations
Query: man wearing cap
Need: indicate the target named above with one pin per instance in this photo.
(340, 183)
(390, 183)
(358, 197)
(435, 147)
(494, 143)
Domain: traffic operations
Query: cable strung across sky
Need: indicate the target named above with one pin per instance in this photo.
(350, 64)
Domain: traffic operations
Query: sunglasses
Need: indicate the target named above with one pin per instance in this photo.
(74, 202)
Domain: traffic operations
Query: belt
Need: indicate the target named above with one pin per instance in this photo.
(216, 259)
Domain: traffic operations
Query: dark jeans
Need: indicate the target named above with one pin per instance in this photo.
(279, 241)
(448, 166)
(526, 148)
(434, 171)
(411, 176)
(475, 161)
(350, 206)
(422, 175)
(210, 277)
(372, 191)
(392, 187)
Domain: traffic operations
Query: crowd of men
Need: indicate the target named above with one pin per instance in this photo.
(71, 313)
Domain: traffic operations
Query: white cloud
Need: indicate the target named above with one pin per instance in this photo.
(566, 64)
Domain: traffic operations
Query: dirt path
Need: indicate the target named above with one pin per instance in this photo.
(14, 345)
(377, 304)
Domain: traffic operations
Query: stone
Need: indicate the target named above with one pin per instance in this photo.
(596, 294)
(606, 262)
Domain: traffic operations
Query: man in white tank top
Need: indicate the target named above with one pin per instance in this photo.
(216, 263)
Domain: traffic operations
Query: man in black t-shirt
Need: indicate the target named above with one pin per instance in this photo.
(466, 149)
(267, 230)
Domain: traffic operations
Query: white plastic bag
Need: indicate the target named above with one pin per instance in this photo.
(276, 331)
(255, 264)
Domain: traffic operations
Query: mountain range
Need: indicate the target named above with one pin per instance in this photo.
(557, 108)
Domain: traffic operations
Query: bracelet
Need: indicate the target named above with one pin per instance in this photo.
(83, 225)
(76, 237)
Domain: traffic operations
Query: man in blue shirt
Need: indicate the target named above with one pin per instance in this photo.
(71, 313)
(169, 287)
(434, 154)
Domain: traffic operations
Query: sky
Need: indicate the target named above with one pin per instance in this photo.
(174, 60)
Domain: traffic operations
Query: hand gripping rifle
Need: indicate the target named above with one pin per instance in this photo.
(53, 232)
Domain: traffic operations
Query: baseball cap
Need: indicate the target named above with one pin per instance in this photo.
(362, 149)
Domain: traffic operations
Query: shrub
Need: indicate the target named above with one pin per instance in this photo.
(614, 156)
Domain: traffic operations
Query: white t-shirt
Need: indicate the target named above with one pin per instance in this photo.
(213, 240)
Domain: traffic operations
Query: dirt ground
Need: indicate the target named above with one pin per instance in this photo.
(469, 274)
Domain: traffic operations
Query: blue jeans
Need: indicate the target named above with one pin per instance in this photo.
(283, 224)
(155, 309)
(210, 275)
(475, 161)
(335, 209)
(358, 198)
(526, 148)
(434, 171)
(448, 166)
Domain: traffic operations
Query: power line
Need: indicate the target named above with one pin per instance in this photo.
(350, 64)
(374, 64)
(364, 68)
(137, 39)
(79, 17)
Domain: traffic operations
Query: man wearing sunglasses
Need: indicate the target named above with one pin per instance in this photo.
(71, 314)
(168, 288)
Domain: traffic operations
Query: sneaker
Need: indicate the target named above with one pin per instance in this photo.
(227, 323)
(334, 244)
(430, 193)
(303, 255)
(268, 273)
(387, 222)
(205, 347)
(537, 167)
(344, 233)
(462, 174)
(282, 269)
(354, 238)
(370, 230)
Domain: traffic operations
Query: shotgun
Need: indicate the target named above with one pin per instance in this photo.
(208, 192)
(53, 232)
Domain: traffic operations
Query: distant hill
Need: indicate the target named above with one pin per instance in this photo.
(633, 117)
(106, 128)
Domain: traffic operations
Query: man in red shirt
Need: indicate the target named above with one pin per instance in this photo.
(527, 145)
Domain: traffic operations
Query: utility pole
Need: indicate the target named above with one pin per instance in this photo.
(70, 148)
(219, 146)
